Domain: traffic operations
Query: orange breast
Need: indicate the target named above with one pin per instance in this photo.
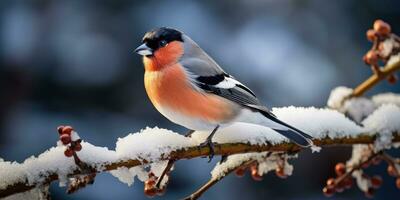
(169, 88)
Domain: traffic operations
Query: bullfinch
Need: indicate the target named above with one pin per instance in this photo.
(190, 89)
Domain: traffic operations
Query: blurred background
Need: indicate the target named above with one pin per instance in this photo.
(72, 62)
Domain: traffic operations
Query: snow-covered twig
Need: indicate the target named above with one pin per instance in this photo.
(22, 184)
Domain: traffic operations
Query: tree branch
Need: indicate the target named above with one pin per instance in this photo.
(375, 78)
(195, 151)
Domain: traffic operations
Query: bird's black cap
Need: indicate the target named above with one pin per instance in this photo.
(156, 37)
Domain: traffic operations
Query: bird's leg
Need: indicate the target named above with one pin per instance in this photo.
(209, 143)
(170, 164)
(223, 159)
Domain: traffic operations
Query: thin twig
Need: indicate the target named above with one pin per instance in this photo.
(213, 181)
(375, 78)
(165, 171)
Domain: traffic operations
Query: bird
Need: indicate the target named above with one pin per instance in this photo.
(190, 89)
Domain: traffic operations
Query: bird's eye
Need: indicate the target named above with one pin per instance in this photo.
(163, 43)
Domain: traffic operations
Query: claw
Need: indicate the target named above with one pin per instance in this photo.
(208, 143)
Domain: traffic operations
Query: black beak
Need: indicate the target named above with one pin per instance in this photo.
(144, 50)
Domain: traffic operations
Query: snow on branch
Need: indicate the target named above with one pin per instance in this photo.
(153, 145)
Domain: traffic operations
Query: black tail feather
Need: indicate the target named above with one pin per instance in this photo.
(295, 137)
(298, 136)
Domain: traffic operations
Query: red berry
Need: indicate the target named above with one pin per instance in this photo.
(392, 171)
(348, 182)
(65, 139)
(340, 169)
(371, 57)
(240, 172)
(59, 129)
(280, 172)
(77, 147)
(255, 175)
(67, 130)
(339, 187)
(328, 192)
(150, 182)
(330, 183)
(376, 181)
(398, 183)
(68, 152)
(150, 191)
(382, 28)
(371, 35)
(369, 193)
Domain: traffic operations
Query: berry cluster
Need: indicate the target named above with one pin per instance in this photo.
(340, 183)
(69, 138)
(150, 188)
(253, 168)
(344, 179)
(392, 170)
(385, 45)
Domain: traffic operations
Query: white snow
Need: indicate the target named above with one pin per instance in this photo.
(265, 163)
(337, 96)
(318, 122)
(233, 161)
(394, 59)
(150, 144)
(35, 169)
(358, 156)
(127, 176)
(386, 98)
(385, 121)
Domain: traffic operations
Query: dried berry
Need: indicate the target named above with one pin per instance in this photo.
(371, 58)
(339, 187)
(371, 35)
(398, 183)
(340, 169)
(77, 147)
(348, 182)
(369, 193)
(382, 28)
(67, 130)
(150, 191)
(65, 139)
(69, 152)
(376, 181)
(328, 192)
(240, 171)
(330, 183)
(255, 175)
(59, 129)
(280, 172)
(392, 171)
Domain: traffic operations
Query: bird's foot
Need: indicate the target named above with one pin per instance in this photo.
(208, 143)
